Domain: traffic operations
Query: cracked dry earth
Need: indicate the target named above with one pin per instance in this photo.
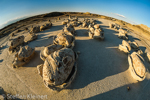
(102, 69)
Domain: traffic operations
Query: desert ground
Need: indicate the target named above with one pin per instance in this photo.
(102, 70)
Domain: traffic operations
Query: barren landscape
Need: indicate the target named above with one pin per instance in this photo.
(102, 69)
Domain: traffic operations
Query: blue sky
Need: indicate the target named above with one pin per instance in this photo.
(137, 11)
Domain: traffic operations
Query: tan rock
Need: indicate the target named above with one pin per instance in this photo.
(111, 25)
(90, 35)
(148, 56)
(125, 43)
(23, 56)
(96, 26)
(57, 71)
(98, 34)
(64, 23)
(136, 66)
(46, 26)
(66, 39)
(35, 29)
(49, 50)
(13, 43)
(30, 37)
(123, 48)
(69, 28)
(84, 24)
(134, 45)
(123, 34)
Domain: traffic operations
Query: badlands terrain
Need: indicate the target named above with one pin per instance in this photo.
(102, 69)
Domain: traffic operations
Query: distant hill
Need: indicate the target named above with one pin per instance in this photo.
(145, 27)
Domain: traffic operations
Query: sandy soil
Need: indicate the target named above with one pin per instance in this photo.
(102, 69)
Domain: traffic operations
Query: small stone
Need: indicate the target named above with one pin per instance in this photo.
(78, 52)
(128, 88)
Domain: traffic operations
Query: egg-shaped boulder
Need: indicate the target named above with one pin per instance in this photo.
(136, 66)
(66, 39)
(59, 69)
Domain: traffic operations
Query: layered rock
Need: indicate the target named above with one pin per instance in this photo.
(23, 56)
(136, 66)
(58, 70)
(125, 47)
(14, 43)
(66, 39)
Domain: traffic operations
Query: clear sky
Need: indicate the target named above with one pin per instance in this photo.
(137, 11)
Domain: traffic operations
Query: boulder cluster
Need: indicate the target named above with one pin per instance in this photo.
(136, 62)
(59, 68)
(96, 32)
(17, 45)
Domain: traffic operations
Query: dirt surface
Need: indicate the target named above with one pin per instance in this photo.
(102, 69)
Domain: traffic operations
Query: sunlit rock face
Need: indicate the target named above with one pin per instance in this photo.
(66, 39)
(136, 66)
(57, 68)
(23, 56)
(48, 50)
(125, 47)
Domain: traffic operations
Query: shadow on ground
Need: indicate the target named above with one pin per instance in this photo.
(98, 59)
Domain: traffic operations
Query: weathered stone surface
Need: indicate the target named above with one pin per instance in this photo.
(148, 56)
(134, 45)
(92, 30)
(15, 42)
(111, 25)
(84, 24)
(123, 48)
(48, 50)
(46, 26)
(90, 35)
(57, 68)
(140, 52)
(30, 37)
(136, 66)
(69, 28)
(23, 56)
(35, 29)
(96, 26)
(74, 23)
(123, 34)
(125, 43)
(98, 34)
(64, 23)
(66, 39)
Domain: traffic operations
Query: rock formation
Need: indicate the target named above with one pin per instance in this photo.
(136, 66)
(59, 69)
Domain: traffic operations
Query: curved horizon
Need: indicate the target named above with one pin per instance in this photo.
(132, 11)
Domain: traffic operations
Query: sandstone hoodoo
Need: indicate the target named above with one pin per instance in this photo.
(59, 69)
(23, 56)
(136, 66)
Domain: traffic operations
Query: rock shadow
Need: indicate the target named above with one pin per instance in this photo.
(98, 59)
